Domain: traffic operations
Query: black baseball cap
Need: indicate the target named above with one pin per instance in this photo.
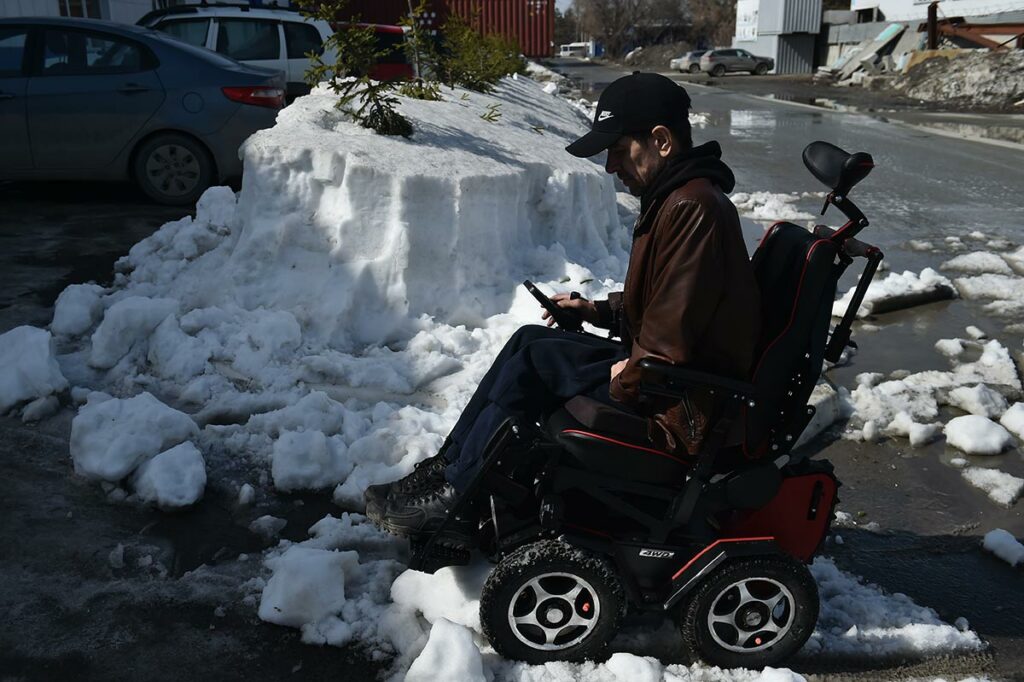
(632, 104)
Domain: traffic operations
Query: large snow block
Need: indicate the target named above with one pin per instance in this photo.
(110, 439)
(308, 586)
(126, 323)
(173, 479)
(28, 367)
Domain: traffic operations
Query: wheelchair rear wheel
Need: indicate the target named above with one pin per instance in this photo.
(751, 613)
(549, 601)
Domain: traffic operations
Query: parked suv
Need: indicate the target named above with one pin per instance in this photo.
(275, 38)
(717, 62)
(688, 63)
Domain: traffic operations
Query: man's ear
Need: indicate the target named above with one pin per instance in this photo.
(663, 141)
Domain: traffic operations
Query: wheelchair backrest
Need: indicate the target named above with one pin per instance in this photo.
(797, 273)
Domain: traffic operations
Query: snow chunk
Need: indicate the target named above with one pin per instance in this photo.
(951, 348)
(110, 438)
(919, 434)
(268, 526)
(978, 262)
(1013, 420)
(452, 593)
(309, 460)
(28, 366)
(977, 435)
(129, 321)
(1004, 546)
(898, 291)
(40, 408)
(1003, 488)
(451, 655)
(77, 309)
(246, 494)
(307, 590)
(768, 206)
(173, 479)
(979, 399)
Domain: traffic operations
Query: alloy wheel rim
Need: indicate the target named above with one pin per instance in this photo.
(751, 615)
(173, 169)
(554, 611)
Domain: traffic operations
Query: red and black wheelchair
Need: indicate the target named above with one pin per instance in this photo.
(586, 519)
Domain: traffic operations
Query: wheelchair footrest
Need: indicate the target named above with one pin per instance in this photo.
(428, 557)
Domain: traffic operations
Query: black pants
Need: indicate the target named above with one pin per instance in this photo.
(537, 371)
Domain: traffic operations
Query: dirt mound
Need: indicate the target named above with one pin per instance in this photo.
(656, 57)
(977, 78)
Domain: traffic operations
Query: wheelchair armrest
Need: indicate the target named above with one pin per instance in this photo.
(662, 378)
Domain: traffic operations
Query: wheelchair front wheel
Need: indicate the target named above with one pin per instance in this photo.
(751, 613)
(549, 601)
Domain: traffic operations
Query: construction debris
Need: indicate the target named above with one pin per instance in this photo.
(971, 77)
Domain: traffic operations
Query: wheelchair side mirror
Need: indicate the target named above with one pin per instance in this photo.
(836, 169)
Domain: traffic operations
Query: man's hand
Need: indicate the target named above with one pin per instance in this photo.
(584, 308)
(616, 368)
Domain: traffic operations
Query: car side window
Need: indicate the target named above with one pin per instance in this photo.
(248, 39)
(12, 50)
(72, 53)
(728, 53)
(300, 39)
(191, 31)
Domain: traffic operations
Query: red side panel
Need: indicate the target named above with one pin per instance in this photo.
(391, 72)
(798, 516)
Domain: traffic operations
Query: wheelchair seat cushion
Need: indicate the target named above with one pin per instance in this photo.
(625, 452)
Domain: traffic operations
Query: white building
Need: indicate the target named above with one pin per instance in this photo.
(914, 10)
(784, 30)
(124, 11)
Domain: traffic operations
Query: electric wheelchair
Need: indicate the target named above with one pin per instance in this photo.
(585, 518)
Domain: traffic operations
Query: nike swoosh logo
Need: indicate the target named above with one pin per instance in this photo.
(604, 115)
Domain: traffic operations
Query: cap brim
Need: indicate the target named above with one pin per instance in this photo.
(594, 142)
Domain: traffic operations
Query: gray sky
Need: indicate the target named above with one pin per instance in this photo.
(563, 4)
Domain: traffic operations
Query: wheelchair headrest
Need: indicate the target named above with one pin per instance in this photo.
(837, 169)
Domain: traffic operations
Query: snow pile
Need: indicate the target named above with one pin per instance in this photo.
(329, 322)
(1003, 290)
(1003, 488)
(977, 435)
(1005, 546)
(28, 368)
(918, 396)
(543, 74)
(972, 78)
(978, 262)
(1013, 420)
(978, 399)
(450, 655)
(857, 618)
(918, 434)
(897, 291)
(768, 206)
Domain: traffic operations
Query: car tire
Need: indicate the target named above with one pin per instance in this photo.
(172, 169)
(761, 69)
(694, 68)
(718, 70)
(751, 613)
(532, 598)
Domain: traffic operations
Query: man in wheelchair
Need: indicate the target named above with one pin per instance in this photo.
(655, 473)
(690, 299)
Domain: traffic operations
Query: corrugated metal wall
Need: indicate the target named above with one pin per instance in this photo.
(531, 23)
(795, 54)
(769, 17)
(801, 16)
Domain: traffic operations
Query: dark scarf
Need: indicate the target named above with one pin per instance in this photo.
(704, 161)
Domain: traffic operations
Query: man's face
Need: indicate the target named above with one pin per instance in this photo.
(635, 163)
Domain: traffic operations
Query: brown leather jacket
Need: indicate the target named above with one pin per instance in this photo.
(690, 295)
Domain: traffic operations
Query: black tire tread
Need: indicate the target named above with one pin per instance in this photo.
(543, 557)
(787, 570)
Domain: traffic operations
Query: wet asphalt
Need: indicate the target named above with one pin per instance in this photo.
(71, 615)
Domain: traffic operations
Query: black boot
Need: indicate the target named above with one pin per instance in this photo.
(418, 514)
(426, 475)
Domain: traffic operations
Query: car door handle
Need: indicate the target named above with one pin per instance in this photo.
(132, 88)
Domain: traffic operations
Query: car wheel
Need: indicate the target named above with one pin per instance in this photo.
(751, 613)
(719, 70)
(549, 601)
(173, 169)
(761, 69)
(694, 68)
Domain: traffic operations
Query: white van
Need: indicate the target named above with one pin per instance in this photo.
(574, 50)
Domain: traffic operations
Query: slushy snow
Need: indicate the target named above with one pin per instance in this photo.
(897, 290)
(1003, 488)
